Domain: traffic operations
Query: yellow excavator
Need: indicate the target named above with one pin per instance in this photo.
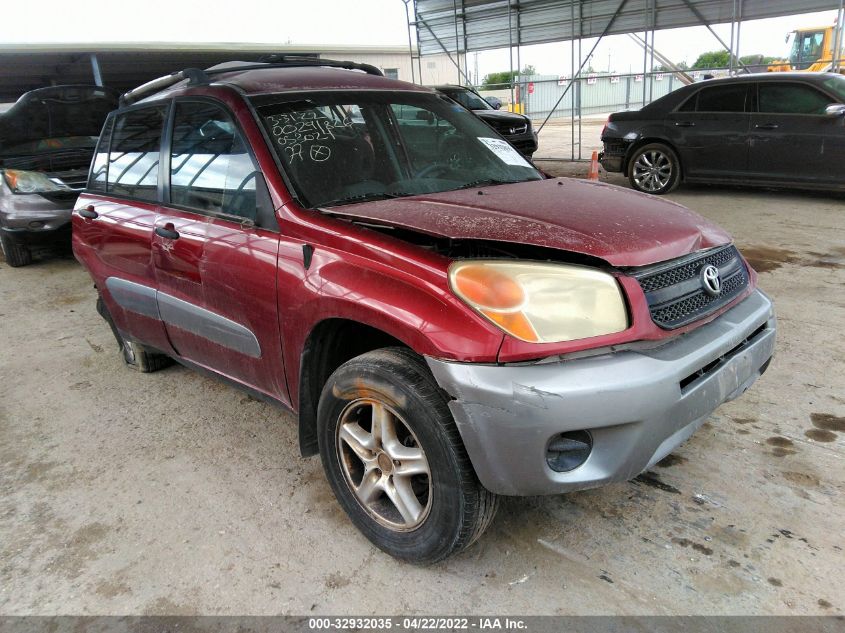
(812, 50)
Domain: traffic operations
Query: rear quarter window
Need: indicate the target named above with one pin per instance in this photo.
(730, 98)
(100, 164)
(134, 153)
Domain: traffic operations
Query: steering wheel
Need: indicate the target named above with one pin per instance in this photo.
(435, 168)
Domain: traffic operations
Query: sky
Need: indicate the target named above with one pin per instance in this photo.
(343, 22)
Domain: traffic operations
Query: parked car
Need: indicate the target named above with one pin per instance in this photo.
(47, 140)
(781, 129)
(494, 102)
(516, 128)
(449, 325)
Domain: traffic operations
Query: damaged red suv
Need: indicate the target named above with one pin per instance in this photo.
(449, 325)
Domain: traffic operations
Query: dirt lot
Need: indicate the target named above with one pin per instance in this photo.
(174, 493)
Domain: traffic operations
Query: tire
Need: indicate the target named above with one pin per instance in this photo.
(17, 255)
(654, 168)
(135, 355)
(394, 386)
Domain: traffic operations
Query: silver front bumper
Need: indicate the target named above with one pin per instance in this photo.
(637, 405)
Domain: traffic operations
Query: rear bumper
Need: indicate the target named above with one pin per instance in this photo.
(610, 162)
(638, 406)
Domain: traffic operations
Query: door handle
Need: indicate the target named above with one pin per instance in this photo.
(684, 124)
(89, 212)
(167, 232)
(766, 126)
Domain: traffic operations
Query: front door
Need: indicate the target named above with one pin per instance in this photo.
(710, 131)
(215, 253)
(792, 140)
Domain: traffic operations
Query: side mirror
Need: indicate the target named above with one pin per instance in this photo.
(835, 110)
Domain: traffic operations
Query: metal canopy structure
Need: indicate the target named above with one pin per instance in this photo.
(460, 26)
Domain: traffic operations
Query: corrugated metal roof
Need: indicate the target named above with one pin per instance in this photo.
(483, 24)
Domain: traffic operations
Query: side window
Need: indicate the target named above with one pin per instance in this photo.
(729, 98)
(689, 104)
(133, 159)
(788, 98)
(100, 165)
(210, 168)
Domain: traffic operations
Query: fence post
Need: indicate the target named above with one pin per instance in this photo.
(628, 92)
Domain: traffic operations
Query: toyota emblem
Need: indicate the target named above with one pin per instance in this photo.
(710, 280)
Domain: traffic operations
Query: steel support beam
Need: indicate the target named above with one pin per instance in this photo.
(703, 21)
(410, 44)
(95, 69)
(445, 50)
(583, 63)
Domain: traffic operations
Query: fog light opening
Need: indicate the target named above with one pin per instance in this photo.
(567, 451)
(36, 224)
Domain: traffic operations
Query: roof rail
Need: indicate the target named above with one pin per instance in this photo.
(199, 77)
(294, 61)
(195, 77)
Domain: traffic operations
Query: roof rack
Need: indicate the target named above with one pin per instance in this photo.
(294, 61)
(195, 77)
(198, 77)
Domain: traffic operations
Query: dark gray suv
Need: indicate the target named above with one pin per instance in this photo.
(47, 140)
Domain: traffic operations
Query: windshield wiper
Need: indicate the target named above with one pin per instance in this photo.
(486, 182)
(362, 197)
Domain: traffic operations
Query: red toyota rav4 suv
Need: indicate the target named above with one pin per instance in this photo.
(448, 324)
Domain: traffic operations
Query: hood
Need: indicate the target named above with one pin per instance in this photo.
(58, 112)
(502, 116)
(620, 226)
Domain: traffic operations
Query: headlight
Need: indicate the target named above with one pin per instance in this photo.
(541, 303)
(31, 182)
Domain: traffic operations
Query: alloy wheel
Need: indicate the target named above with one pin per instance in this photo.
(652, 170)
(384, 464)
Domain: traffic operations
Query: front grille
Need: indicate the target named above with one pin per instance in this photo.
(509, 129)
(675, 290)
(524, 147)
(75, 179)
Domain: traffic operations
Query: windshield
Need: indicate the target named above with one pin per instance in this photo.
(468, 99)
(344, 147)
(806, 49)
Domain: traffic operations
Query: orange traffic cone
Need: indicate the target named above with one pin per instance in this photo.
(594, 167)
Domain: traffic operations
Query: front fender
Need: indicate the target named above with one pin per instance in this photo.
(414, 307)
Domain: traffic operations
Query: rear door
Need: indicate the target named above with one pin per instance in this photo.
(792, 140)
(710, 130)
(118, 217)
(215, 247)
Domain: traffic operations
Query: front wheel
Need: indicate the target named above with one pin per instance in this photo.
(17, 255)
(654, 168)
(395, 461)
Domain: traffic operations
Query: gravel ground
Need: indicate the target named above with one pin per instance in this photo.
(172, 493)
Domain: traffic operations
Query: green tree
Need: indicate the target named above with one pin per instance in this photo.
(756, 60)
(712, 59)
(495, 81)
(504, 79)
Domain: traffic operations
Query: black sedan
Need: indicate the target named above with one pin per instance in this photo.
(773, 129)
(516, 128)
